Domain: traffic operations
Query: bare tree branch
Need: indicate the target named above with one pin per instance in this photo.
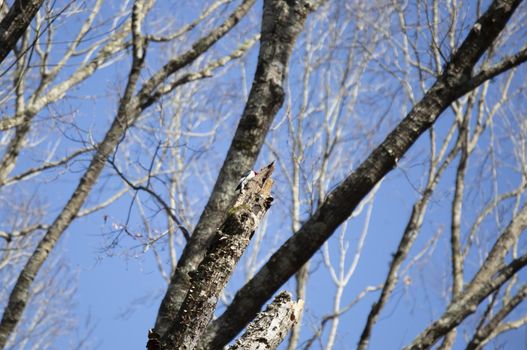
(130, 107)
(490, 277)
(9, 236)
(221, 258)
(15, 22)
(409, 235)
(157, 197)
(265, 99)
(483, 334)
(345, 309)
(493, 71)
(344, 199)
(269, 327)
(46, 166)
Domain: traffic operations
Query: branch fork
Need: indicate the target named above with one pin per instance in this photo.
(230, 241)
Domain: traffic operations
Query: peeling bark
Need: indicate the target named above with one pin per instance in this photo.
(270, 327)
(281, 24)
(346, 197)
(207, 282)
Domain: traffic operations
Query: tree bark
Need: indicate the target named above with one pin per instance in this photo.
(344, 199)
(281, 24)
(271, 326)
(230, 241)
(130, 107)
(15, 23)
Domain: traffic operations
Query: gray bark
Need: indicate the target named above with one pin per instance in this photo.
(229, 243)
(270, 327)
(281, 24)
(340, 203)
(15, 23)
(130, 107)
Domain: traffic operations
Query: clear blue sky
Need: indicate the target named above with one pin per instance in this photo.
(119, 290)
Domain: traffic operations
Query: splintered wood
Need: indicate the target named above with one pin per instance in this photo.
(271, 326)
(213, 273)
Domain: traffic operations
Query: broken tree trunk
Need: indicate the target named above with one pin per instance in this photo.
(229, 243)
(271, 326)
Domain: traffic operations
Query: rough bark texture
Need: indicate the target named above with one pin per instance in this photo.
(221, 258)
(130, 107)
(281, 23)
(344, 199)
(15, 22)
(270, 327)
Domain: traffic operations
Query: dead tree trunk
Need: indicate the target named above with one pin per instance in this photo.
(229, 243)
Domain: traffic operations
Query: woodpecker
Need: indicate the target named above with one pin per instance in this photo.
(246, 177)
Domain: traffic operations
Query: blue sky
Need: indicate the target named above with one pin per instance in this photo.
(119, 288)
